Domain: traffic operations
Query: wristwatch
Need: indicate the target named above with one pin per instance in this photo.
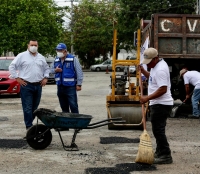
(46, 77)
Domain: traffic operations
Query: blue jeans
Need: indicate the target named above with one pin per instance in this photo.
(68, 98)
(159, 114)
(30, 97)
(195, 102)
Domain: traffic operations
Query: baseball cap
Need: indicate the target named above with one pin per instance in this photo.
(61, 46)
(149, 54)
(182, 72)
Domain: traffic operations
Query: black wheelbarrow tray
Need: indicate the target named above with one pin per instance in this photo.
(39, 136)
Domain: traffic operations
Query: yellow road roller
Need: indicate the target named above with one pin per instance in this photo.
(123, 100)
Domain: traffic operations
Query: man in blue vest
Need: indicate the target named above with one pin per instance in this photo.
(68, 77)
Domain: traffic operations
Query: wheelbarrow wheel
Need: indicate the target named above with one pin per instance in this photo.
(37, 138)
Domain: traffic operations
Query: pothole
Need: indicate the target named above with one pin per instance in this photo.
(114, 140)
(124, 168)
(12, 143)
(3, 119)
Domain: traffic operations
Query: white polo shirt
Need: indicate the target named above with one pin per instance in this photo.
(160, 76)
(193, 78)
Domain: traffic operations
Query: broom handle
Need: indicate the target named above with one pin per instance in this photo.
(143, 109)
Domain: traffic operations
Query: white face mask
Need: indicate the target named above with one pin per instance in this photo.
(33, 49)
(60, 54)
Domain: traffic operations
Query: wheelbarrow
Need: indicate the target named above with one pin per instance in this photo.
(39, 136)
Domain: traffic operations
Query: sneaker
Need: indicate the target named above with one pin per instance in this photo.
(193, 117)
(27, 128)
(164, 159)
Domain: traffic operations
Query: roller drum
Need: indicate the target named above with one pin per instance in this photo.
(131, 113)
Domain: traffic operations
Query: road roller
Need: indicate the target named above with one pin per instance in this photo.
(123, 99)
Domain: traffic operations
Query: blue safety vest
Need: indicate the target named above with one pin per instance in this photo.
(68, 75)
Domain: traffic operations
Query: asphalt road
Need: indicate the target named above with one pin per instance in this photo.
(100, 150)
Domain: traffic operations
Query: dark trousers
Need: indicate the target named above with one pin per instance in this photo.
(67, 96)
(30, 97)
(159, 114)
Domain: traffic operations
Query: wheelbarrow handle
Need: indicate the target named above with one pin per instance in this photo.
(109, 119)
(104, 124)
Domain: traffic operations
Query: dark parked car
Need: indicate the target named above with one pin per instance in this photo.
(7, 84)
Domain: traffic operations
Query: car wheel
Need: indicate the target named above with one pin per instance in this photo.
(118, 69)
(98, 69)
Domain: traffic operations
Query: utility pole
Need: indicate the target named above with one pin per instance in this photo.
(72, 23)
(198, 7)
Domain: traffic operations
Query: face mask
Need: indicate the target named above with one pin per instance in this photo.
(60, 54)
(33, 49)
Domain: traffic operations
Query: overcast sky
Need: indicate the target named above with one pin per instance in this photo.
(64, 2)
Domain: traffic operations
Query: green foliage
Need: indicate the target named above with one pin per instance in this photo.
(92, 25)
(93, 29)
(132, 11)
(22, 20)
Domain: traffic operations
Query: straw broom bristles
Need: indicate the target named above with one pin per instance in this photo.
(145, 152)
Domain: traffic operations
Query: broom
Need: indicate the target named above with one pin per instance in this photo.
(145, 152)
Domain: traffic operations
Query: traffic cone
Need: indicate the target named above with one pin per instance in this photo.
(107, 72)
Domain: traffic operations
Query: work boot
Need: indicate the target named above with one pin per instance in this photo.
(156, 155)
(164, 159)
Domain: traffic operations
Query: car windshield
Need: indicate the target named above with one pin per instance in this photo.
(107, 62)
(4, 64)
(131, 58)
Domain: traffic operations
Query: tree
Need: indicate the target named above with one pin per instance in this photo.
(22, 20)
(93, 29)
(132, 11)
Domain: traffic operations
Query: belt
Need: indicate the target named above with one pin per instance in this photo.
(33, 83)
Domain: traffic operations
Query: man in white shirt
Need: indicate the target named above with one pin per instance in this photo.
(160, 102)
(31, 71)
(193, 78)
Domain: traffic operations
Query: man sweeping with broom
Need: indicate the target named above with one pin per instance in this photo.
(160, 102)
